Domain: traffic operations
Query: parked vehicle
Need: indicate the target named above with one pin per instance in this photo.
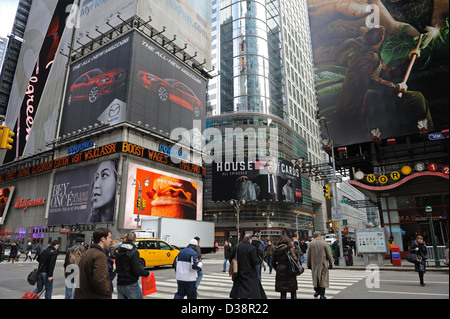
(330, 238)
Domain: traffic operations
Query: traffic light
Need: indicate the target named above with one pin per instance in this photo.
(329, 224)
(326, 191)
(6, 138)
(138, 203)
(143, 203)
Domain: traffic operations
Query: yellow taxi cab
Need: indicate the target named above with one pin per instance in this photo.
(155, 252)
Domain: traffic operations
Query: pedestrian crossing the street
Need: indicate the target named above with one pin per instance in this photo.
(217, 285)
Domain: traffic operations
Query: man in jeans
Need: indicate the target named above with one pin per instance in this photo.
(187, 265)
(47, 262)
(129, 270)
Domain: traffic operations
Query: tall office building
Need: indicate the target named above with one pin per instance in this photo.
(262, 51)
(11, 52)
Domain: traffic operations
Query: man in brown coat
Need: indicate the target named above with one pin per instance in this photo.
(319, 260)
(94, 277)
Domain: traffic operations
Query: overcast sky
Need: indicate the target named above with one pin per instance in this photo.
(8, 10)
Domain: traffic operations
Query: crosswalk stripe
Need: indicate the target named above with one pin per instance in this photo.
(218, 285)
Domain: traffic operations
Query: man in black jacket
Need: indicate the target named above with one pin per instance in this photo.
(129, 269)
(47, 262)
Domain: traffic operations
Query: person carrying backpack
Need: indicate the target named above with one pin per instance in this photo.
(73, 257)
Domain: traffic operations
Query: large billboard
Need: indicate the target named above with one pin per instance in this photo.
(365, 58)
(189, 20)
(84, 195)
(6, 195)
(164, 93)
(131, 79)
(97, 87)
(165, 194)
(264, 179)
(30, 101)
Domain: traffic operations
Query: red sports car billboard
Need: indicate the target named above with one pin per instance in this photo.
(132, 79)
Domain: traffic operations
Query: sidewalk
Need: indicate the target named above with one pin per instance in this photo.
(358, 264)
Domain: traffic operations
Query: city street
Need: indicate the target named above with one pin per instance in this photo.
(344, 283)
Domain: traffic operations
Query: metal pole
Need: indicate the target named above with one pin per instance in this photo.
(334, 198)
(139, 208)
(433, 240)
(335, 204)
(238, 211)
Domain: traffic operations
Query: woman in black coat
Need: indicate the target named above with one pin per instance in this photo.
(418, 247)
(284, 282)
(246, 284)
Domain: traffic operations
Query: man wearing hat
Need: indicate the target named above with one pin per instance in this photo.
(186, 266)
(73, 256)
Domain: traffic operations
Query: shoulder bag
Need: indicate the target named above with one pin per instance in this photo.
(295, 267)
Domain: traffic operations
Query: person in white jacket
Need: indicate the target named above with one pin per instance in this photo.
(186, 266)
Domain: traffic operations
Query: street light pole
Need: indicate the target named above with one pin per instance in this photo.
(429, 209)
(237, 206)
(334, 201)
(139, 199)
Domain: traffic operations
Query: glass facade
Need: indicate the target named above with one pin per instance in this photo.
(405, 218)
(251, 58)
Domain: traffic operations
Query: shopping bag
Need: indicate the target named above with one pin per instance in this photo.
(148, 285)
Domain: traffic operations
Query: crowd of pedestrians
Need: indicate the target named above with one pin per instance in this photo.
(99, 263)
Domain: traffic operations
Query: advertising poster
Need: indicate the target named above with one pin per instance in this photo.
(84, 196)
(6, 195)
(97, 87)
(265, 179)
(164, 93)
(38, 80)
(165, 195)
(362, 54)
(371, 241)
(189, 20)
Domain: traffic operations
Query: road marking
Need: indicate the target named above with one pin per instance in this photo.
(407, 293)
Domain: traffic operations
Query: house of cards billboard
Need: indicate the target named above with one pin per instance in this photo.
(363, 54)
(265, 179)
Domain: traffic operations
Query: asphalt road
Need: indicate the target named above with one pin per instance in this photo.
(345, 284)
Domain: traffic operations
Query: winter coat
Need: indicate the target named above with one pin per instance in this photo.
(284, 282)
(227, 251)
(187, 264)
(419, 266)
(47, 260)
(247, 284)
(128, 267)
(319, 260)
(94, 276)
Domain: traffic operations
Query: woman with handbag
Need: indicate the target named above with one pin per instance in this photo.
(284, 281)
(420, 250)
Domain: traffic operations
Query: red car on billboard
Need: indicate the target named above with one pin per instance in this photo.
(95, 84)
(171, 90)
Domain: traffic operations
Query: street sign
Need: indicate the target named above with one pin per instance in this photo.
(336, 213)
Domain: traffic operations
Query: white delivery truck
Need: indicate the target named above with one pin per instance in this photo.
(178, 232)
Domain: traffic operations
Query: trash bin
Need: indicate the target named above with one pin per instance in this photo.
(395, 252)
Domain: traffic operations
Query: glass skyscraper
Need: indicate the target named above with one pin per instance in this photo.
(262, 52)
